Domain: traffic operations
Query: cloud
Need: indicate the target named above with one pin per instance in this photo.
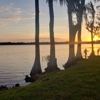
(8, 13)
(31, 13)
(11, 14)
(41, 39)
(16, 11)
(61, 27)
(42, 13)
(5, 8)
(15, 19)
(2, 24)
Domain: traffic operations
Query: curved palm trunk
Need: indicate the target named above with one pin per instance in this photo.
(36, 69)
(52, 64)
(72, 33)
(79, 54)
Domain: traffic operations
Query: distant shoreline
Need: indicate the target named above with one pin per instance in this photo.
(43, 43)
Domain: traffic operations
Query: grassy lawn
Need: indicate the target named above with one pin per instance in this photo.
(80, 82)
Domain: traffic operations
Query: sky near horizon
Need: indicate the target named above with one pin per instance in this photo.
(17, 21)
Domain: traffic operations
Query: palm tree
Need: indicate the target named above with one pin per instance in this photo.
(36, 69)
(76, 7)
(52, 64)
(72, 32)
(81, 9)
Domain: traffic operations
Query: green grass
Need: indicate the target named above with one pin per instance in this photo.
(80, 82)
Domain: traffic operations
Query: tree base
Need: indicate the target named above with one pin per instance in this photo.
(48, 69)
(52, 66)
(32, 78)
(78, 58)
(36, 69)
(34, 73)
(92, 54)
(69, 63)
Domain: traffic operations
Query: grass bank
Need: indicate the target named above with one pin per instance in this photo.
(80, 82)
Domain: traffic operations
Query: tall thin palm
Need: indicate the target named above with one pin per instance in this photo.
(52, 64)
(72, 32)
(36, 69)
(80, 13)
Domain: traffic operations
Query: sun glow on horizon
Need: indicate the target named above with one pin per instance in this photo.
(96, 38)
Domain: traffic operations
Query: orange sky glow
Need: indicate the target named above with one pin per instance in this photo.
(17, 22)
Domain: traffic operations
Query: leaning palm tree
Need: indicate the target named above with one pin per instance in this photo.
(52, 64)
(74, 7)
(72, 32)
(36, 69)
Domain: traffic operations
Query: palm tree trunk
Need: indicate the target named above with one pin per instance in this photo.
(79, 54)
(36, 69)
(92, 53)
(72, 33)
(52, 64)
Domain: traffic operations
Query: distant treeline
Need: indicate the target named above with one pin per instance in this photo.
(29, 43)
(44, 43)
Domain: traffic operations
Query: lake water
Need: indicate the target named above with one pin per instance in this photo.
(17, 60)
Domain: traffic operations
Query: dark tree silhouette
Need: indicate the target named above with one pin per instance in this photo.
(90, 24)
(36, 69)
(79, 17)
(52, 64)
(75, 7)
(72, 32)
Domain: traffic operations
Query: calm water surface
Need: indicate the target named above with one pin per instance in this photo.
(16, 61)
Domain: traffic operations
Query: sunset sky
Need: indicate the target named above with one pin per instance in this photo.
(17, 21)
